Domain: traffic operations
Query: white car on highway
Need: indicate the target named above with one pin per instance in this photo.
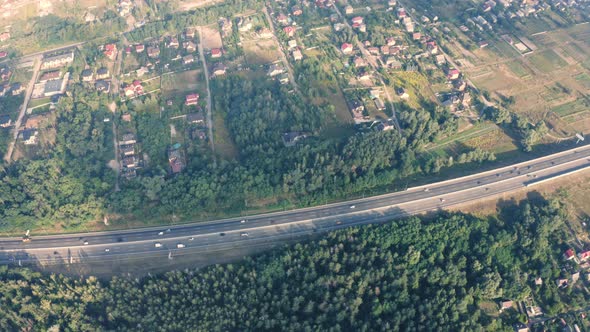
(180, 245)
(157, 244)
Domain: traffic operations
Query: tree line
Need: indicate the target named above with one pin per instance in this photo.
(412, 275)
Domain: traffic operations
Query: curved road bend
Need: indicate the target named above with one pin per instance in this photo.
(275, 226)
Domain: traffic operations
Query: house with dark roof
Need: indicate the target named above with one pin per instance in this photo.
(16, 88)
(5, 121)
(102, 73)
(195, 118)
(102, 86)
(29, 136)
(291, 138)
(87, 75)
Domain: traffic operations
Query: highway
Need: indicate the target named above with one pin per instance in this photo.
(274, 227)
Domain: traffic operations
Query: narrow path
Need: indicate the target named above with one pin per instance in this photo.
(206, 71)
(23, 109)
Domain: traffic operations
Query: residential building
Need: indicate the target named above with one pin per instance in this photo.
(453, 74)
(110, 51)
(289, 31)
(127, 150)
(291, 138)
(379, 104)
(296, 11)
(29, 136)
(189, 46)
(102, 73)
(297, 55)
(191, 99)
(359, 62)
(346, 48)
(218, 69)
(188, 59)
(127, 139)
(139, 48)
(56, 87)
(4, 36)
(49, 76)
(3, 54)
(102, 86)
(357, 20)
(348, 10)
(195, 118)
(569, 254)
(5, 121)
(216, 53)
(153, 52)
(87, 75)
(16, 88)
(173, 42)
(584, 256)
(189, 33)
(282, 19)
(129, 162)
(275, 70)
(58, 60)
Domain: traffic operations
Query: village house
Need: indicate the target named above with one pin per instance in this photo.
(348, 10)
(506, 305)
(264, 33)
(244, 24)
(296, 11)
(110, 51)
(102, 73)
(384, 126)
(153, 52)
(127, 150)
(29, 136)
(175, 160)
(49, 76)
(432, 47)
(87, 75)
(173, 43)
(289, 31)
(191, 99)
(216, 53)
(584, 256)
(195, 118)
(357, 20)
(102, 86)
(291, 138)
(460, 85)
(189, 33)
(379, 104)
(4, 36)
(402, 93)
(56, 87)
(129, 162)
(5, 121)
(359, 62)
(297, 55)
(133, 89)
(292, 43)
(356, 106)
(282, 19)
(188, 59)
(218, 69)
(390, 41)
(275, 70)
(284, 78)
(198, 134)
(128, 50)
(127, 139)
(569, 254)
(189, 46)
(16, 88)
(346, 48)
(440, 59)
(3, 54)
(453, 74)
(59, 60)
(373, 50)
(139, 48)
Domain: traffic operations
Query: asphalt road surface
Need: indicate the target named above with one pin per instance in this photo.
(275, 227)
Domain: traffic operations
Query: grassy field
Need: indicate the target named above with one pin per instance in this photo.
(261, 52)
(571, 108)
(547, 61)
(584, 80)
(224, 145)
(186, 81)
(518, 69)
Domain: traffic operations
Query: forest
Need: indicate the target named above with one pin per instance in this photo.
(437, 274)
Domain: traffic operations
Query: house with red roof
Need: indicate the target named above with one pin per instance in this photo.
(357, 20)
(128, 50)
(346, 48)
(139, 48)
(4, 36)
(584, 255)
(453, 74)
(569, 254)
(216, 53)
(282, 19)
(110, 51)
(191, 99)
(289, 31)
(296, 11)
(3, 54)
(432, 47)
